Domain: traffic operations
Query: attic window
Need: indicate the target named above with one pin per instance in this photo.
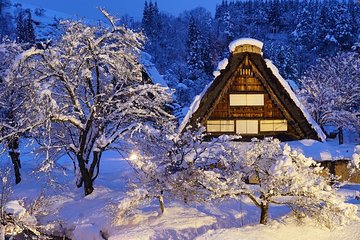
(273, 125)
(246, 71)
(246, 99)
(220, 126)
(247, 126)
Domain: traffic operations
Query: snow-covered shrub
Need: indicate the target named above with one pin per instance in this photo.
(14, 218)
(354, 165)
(287, 177)
(183, 166)
(172, 165)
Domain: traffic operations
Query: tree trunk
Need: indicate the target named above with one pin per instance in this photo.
(86, 178)
(341, 135)
(13, 146)
(2, 231)
(162, 204)
(264, 213)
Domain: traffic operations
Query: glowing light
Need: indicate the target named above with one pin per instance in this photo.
(133, 156)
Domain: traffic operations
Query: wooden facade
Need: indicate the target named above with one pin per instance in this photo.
(247, 99)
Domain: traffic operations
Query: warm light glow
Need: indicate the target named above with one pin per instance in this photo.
(133, 156)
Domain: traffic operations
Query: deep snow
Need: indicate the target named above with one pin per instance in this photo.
(65, 211)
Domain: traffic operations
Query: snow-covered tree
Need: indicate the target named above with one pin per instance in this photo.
(288, 177)
(171, 165)
(283, 177)
(93, 93)
(195, 44)
(18, 111)
(24, 27)
(187, 168)
(331, 91)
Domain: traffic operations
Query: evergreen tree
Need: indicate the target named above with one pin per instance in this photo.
(303, 33)
(343, 31)
(24, 28)
(5, 19)
(195, 52)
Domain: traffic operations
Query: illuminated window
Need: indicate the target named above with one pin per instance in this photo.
(273, 125)
(246, 99)
(220, 126)
(247, 126)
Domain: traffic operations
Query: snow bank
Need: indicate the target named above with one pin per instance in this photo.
(87, 231)
(323, 151)
(283, 231)
(177, 222)
(285, 84)
(243, 41)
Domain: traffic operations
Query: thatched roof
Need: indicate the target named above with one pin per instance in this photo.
(268, 74)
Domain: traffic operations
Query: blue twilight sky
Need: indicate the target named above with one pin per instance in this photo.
(87, 8)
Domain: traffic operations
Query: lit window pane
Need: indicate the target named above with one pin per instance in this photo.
(280, 125)
(237, 100)
(252, 126)
(247, 127)
(227, 125)
(220, 126)
(240, 126)
(266, 125)
(255, 99)
(246, 99)
(213, 128)
(273, 125)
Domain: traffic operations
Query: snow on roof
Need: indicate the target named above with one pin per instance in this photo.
(285, 84)
(156, 78)
(293, 85)
(244, 41)
(221, 65)
(193, 107)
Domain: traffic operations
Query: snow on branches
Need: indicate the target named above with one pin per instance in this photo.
(193, 170)
(331, 91)
(92, 91)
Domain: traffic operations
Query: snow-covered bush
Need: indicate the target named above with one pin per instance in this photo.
(170, 165)
(287, 177)
(354, 165)
(183, 166)
(14, 218)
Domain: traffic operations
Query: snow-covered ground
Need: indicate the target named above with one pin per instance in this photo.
(64, 210)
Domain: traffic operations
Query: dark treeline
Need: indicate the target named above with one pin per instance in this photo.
(187, 48)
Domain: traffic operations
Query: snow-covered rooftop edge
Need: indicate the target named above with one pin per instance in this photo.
(244, 41)
(146, 60)
(193, 107)
(287, 87)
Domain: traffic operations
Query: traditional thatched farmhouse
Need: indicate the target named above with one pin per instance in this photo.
(249, 97)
